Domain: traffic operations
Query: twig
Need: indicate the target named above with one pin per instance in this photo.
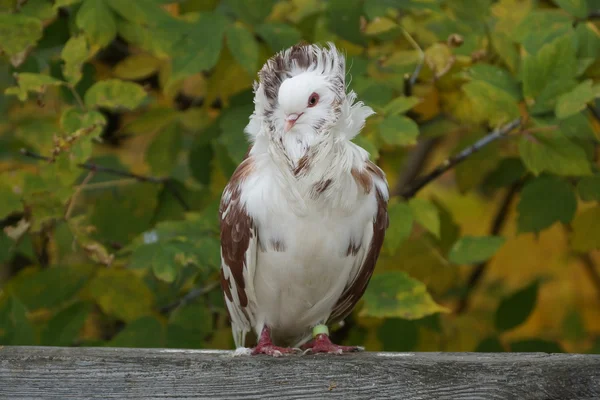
(410, 80)
(73, 199)
(109, 184)
(166, 181)
(594, 14)
(452, 161)
(497, 226)
(595, 112)
(190, 296)
(414, 164)
(77, 97)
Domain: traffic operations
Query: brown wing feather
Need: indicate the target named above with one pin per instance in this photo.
(237, 233)
(356, 289)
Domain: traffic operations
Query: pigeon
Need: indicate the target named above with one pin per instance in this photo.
(304, 215)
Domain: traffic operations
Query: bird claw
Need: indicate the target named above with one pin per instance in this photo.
(322, 344)
(274, 351)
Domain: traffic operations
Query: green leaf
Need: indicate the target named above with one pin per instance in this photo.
(586, 230)
(115, 94)
(232, 124)
(15, 327)
(495, 76)
(278, 36)
(545, 201)
(9, 200)
(137, 66)
(80, 129)
(18, 32)
(555, 154)
(542, 26)
(29, 82)
(399, 130)
(253, 12)
(41, 10)
(98, 23)
(152, 120)
(516, 308)
(162, 153)
(493, 103)
(145, 332)
(133, 206)
(199, 50)
(64, 327)
(401, 222)
(343, 19)
(506, 50)
(574, 101)
(121, 293)
(426, 214)
(165, 258)
(50, 287)
(400, 105)
(74, 54)
(540, 70)
(395, 294)
(243, 47)
(73, 120)
(588, 188)
(473, 250)
(200, 162)
(143, 12)
(508, 171)
(577, 8)
(577, 126)
(189, 325)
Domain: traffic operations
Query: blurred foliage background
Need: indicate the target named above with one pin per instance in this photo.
(121, 121)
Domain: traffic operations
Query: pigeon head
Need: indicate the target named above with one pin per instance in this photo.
(305, 101)
(301, 89)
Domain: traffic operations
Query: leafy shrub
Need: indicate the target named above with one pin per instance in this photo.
(122, 120)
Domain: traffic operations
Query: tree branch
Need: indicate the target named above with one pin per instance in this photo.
(418, 184)
(166, 181)
(190, 296)
(78, 189)
(414, 164)
(497, 226)
(595, 112)
(595, 14)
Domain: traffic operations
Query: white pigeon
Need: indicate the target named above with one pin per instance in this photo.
(304, 215)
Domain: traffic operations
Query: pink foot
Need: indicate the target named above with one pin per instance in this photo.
(322, 344)
(272, 350)
(266, 346)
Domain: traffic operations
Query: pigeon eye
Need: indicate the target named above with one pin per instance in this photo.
(313, 100)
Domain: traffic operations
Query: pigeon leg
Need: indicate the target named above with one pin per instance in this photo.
(265, 346)
(322, 343)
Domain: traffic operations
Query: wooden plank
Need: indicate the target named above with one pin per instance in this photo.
(109, 373)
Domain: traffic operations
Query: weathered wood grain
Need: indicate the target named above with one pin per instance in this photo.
(109, 373)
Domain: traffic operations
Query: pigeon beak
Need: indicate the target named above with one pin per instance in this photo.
(290, 121)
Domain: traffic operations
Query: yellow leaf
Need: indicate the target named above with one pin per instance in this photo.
(586, 230)
(137, 66)
(380, 25)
